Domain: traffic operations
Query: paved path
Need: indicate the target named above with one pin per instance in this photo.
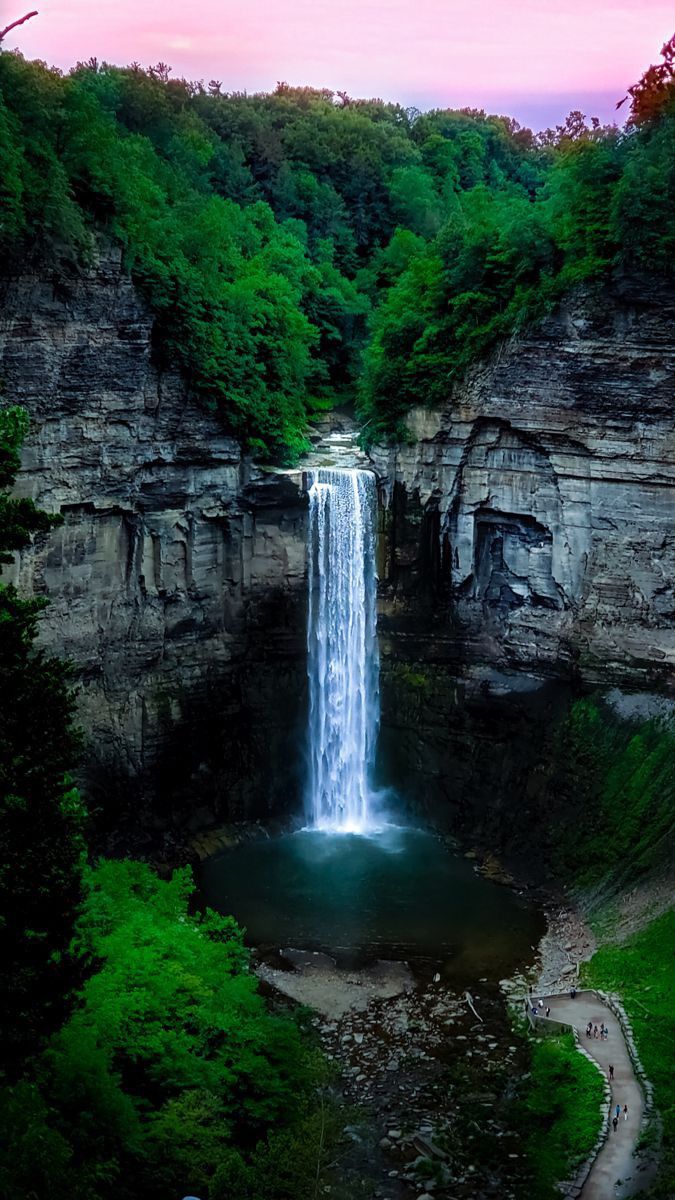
(615, 1174)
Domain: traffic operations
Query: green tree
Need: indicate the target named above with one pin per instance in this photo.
(265, 229)
(171, 1075)
(41, 815)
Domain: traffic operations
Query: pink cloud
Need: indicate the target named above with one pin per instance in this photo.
(505, 54)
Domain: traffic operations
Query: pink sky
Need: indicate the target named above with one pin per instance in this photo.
(533, 59)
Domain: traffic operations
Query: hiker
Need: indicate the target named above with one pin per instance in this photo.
(548, 1010)
(602, 1032)
(595, 1031)
(611, 1072)
(573, 992)
(615, 1122)
(625, 1112)
(618, 1111)
(589, 1029)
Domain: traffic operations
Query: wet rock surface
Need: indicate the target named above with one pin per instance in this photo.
(432, 1084)
(315, 979)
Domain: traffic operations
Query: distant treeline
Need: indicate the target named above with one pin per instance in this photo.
(303, 248)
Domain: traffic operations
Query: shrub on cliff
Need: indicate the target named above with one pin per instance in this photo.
(618, 778)
(249, 222)
(265, 229)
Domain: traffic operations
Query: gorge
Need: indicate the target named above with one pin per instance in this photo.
(185, 608)
(337, 721)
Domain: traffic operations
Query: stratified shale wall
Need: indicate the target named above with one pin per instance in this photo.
(176, 581)
(527, 552)
(530, 541)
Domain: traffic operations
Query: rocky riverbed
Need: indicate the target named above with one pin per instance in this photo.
(425, 1081)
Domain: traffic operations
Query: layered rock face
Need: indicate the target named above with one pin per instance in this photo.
(176, 581)
(530, 536)
(551, 482)
(528, 549)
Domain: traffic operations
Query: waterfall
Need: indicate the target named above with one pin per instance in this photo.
(342, 658)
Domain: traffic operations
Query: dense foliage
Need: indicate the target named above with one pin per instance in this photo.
(558, 1112)
(619, 778)
(259, 326)
(171, 1076)
(302, 248)
(641, 969)
(505, 254)
(41, 815)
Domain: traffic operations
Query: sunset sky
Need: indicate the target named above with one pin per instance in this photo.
(532, 59)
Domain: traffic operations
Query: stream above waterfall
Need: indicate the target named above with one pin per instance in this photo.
(400, 894)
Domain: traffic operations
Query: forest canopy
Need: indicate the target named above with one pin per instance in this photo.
(302, 248)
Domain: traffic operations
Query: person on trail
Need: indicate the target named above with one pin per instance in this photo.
(595, 1031)
(573, 993)
(618, 1111)
(602, 1032)
(589, 1029)
(548, 1010)
(625, 1112)
(611, 1072)
(615, 1122)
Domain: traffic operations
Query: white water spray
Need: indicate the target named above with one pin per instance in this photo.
(342, 656)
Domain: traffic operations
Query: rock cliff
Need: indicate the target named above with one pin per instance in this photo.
(176, 581)
(530, 540)
(550, 480)
(528, 549)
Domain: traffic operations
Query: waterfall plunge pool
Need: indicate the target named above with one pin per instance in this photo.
(400, 894)
(397, 894)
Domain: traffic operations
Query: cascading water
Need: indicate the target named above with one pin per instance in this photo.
(342, 656)
(397, 893)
